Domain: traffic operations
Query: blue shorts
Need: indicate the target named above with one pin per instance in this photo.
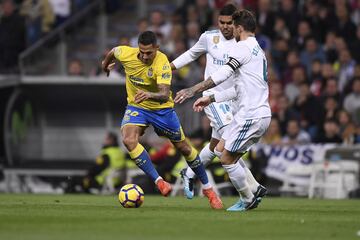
(165, 121)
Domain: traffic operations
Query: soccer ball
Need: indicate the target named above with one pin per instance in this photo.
(131, 196)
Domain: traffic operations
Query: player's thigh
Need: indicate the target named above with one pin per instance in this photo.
(166, 124)
(242, 134)
(228, 158)
(219, 115)
(131, 134)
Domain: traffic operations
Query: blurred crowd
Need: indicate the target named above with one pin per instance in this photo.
(312, 46)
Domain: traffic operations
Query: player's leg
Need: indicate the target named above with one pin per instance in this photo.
(167, 124)
(256, 188)
(194, 162)
(206, 156)
(133, 126)
(240, 136)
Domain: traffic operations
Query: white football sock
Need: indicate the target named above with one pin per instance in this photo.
(237, 177)
(206, 156)
(253, 184)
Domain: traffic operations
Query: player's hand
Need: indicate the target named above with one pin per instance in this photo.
(184, 94)
(201, 103)
(141, 96)
(107, 67)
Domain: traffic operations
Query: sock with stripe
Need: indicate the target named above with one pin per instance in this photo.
(196, 165)
(206, 156)
(249, 176)
(238, 179)
(143, 161)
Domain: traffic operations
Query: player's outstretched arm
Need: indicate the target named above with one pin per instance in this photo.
(186, 93)
(108, 63)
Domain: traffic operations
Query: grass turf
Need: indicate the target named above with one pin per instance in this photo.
(89, 217)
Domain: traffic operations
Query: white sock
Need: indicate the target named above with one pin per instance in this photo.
(237, 177)
(159, 178)
(206, 156)
(253, 184)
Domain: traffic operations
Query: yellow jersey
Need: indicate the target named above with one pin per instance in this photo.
(140, 76)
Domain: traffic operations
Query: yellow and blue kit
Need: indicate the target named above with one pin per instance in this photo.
(140, 76)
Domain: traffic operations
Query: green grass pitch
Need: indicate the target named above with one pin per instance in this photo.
(89, 217)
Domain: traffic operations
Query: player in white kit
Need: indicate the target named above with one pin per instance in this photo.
(252, 115)
(217, 45)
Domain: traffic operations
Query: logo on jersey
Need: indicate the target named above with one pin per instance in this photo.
(165, 75)
(166, 67)
(150, 72)
(216, 39)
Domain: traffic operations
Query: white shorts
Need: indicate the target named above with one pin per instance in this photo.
(241, 134)
(220, 115)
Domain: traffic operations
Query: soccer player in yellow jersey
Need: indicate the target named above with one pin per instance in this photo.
(148, 79)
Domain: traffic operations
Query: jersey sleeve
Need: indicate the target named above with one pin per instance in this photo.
(119, 52)
(193, 53)
(241, 56)
(164, 73)
(225, 95)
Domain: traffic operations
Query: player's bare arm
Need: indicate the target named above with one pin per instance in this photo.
(161, 96)
(108, 63)
(186, 93)
(172, 66)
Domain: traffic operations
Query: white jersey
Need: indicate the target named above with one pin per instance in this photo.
(247, 63)
(217, 49)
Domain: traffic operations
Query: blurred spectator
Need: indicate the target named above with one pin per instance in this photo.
(61, 9)
(273, 133)
(279, 53)
(276, 92)
(159, 24)
(303, 31)
(331, 90)
(39, 18)
(329, 47)
(292, 88)
(295, 135)
(346, 69)
(288, 12)
(308, 107)
(204, 132)
(327, 71)
(265, 17)
(292, 61)
(311, 52)
(329, 110)
(177, 34)
(285, 113)
(280, 29)
(12, 37)
(204, 14)
(343, 25)
(347, 128)
(75, 68)
(352, 101)
(141, 26)
(329, 133)
(192, 33)
(315, 78)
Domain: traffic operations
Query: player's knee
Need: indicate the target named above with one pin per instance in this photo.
(184, 148)
(130, 142)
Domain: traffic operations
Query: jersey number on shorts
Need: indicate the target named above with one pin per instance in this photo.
(225, 108)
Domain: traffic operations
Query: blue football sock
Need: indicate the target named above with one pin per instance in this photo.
(196, 165)
(143, 161)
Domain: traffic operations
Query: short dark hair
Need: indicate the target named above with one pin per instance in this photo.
(246, 19)
(147, 37)
(227, 10)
